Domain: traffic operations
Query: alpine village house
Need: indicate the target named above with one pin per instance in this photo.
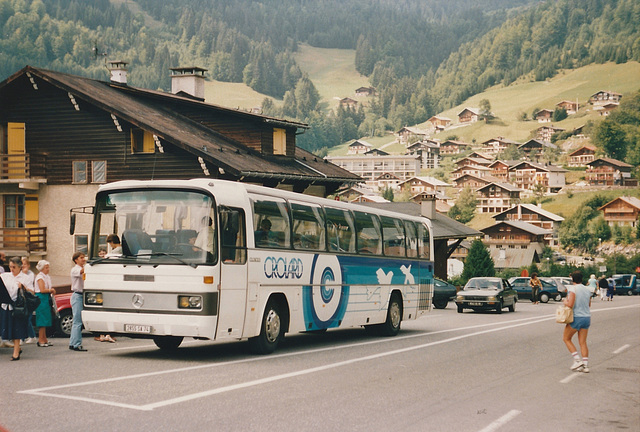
(62, 136)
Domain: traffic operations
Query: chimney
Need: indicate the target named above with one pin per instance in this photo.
(428, 207)
(188, 80)
(118, 71)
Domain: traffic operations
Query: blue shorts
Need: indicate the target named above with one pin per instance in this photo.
(580, 323)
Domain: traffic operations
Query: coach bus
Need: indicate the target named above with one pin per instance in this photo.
(220, 260)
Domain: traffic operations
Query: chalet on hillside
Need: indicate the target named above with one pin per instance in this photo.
(424, 184)
(497, 197)
(473, 181)
(477, 154)
(469, 115)
(582, 156)
(606, 108)
(604, 97)
(534, 148)
(623, 210)
(500, 169)
(439, 123)
(474, 170)
(365, 91)
(571, 107)
(64, 135)
(386, 180)
(376, 152)
(534, 215)
(348, 103)
(472, 161)
(497, 145)
(359, 147)
(451, 147)
(428, 150)
(544, 133)
(514, 244)
(544, 116)
(609, 172)
(528, 175)
(408, 135)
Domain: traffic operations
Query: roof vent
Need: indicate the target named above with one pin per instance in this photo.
(118, 70)
(189, 80)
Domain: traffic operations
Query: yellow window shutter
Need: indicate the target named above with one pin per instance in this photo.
(279, 141)
(31, 211)
(15, 138)
(149, 143)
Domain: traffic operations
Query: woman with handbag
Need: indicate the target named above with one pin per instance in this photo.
(14, 327)
(579, 299)
(44, 290)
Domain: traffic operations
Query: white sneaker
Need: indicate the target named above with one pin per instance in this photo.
(585, 369)
(30, 340)
(6, 344)
(577, 366)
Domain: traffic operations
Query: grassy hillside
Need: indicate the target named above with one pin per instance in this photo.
(508, 102)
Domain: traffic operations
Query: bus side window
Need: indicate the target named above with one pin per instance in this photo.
(271, 223)
(368, 229)
(232, 234)
(424, 243)
(340, 230)
(412, 239)
(393, 236)
(308, 227)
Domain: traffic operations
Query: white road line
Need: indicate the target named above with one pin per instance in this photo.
(501, 421)
(570, 377)
(622, 348)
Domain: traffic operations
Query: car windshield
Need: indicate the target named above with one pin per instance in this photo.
(482, 284)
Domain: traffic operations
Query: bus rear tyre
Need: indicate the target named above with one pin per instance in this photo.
(270, 331)
(391, 326)
(168, 343)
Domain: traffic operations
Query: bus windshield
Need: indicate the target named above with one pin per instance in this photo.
(155, 227)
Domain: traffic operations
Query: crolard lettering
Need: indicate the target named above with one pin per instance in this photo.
(281, 268)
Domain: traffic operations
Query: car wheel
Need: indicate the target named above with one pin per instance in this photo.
(544, 298)
(512, 308)
(168, 343)
(440, 303)
(629, 293)
(499, 308)
(558, 297)
(460, 309)
(270, 331)
(64, 323)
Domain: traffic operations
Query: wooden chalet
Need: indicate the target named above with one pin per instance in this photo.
(376, 152)
(473, 181)
(544, 133)
(527, 175)
(408, 135)
(469, 115)
(500, 169)
(624, 210)
(534, 215)
(497, 145)
(604, 97)
(609, 172)
(571, 107)
(582, 156)
(474, 170)
(386, 180)
(606, 108)
(365, 91)
(424, 184)
(439, 123)
(514, 244)
(497, 197)
(472, 161)
(544, 116)
(359, 147)
(348, 103)
(451, 147)
(534, 148)
(63, 135)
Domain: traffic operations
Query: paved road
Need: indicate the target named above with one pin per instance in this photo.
(444, 372)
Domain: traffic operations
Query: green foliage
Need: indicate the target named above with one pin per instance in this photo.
(599, 229)
(610, 137)
(465, 207)
(387, 193)
(620, 264)
(479, 262)
(559, 114)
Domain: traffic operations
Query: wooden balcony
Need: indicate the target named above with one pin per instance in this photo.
(15, 166)
(23, 239)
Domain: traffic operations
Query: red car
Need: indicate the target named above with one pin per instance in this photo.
(62, 323)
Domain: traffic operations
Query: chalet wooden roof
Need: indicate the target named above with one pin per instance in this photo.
(539, 167)
(522, 226)
(583, 149)
(157, 112)
(505, 186)
(629, 200)
(529, 208)
(609, 161)
(534, 143)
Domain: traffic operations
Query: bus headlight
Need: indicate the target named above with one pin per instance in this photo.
(189, 302)
(93, 298)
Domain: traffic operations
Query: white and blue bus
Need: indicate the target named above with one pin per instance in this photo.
(220, 260)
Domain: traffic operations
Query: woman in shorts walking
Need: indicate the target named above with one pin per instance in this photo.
(579, 299)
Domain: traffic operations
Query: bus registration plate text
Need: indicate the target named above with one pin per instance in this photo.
(135, 328)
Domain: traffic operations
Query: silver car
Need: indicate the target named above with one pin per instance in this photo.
(487, 293)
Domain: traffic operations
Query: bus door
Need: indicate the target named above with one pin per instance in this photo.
(233, 272)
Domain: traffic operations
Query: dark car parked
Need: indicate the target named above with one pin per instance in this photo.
(487, 293)
(625, 284)
(549, 289)
(442, 293)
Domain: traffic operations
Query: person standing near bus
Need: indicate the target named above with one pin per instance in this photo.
(77, 287)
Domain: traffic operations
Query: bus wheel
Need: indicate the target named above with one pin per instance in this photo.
(270, 331)
(168, 343)
(391, 326)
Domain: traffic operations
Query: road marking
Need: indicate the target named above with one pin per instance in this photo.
(501, 421)
(622, 348)
(570, 377)
(514, 324)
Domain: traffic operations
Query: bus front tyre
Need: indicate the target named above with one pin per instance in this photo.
(270, 331)
(168, 343)
(391, 326)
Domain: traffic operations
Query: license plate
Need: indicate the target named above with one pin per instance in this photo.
(135, 328)
(475, 304)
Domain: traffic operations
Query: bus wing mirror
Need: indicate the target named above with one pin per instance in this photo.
(72, 223)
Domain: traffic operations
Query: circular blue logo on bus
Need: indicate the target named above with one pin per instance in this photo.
(325, 300)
